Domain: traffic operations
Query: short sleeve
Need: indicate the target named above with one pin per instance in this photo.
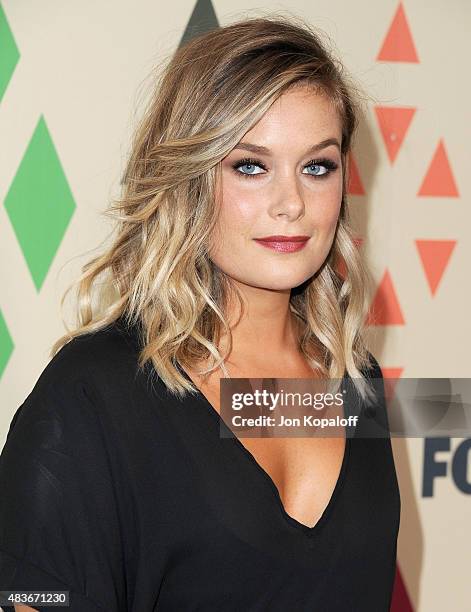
(59, 524)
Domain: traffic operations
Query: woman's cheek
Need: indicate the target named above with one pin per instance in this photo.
(326, 209)
(239, 214)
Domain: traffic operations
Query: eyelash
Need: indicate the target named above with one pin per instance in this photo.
(330, 165)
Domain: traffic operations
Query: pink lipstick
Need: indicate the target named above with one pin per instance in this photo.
(283, 244)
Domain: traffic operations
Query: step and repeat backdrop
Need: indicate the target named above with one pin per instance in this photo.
(73, 79)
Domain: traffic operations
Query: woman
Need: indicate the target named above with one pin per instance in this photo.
(116, 483)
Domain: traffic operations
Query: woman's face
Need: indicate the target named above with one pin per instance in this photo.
(284, 178)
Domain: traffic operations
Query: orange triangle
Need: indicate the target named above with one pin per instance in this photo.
(354, 186)
(385, 309)
(393, 123)
(435, 255)
(341, 267)
(390, 380)
(398, 45)
(439, 180)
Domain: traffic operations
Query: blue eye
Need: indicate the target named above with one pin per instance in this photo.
(250, 165)
(318, 167)
(328, 165)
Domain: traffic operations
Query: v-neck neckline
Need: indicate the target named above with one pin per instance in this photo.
(293, 522)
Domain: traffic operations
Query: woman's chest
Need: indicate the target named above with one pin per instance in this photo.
(303, 467)
(196, 471)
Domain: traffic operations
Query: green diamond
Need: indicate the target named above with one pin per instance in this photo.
(6, 344)
(39, 203)
(9, 53)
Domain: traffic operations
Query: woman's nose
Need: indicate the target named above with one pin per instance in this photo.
(287, 197)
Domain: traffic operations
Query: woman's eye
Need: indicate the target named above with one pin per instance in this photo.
(317, 169)
(321, 167)
(248, 169)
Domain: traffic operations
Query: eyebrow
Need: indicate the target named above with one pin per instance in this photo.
(247, 146)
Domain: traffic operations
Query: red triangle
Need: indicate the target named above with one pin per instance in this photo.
(439, 180)
(390, 376)
(398, 45)
(385, 309)
(354, 186)
(400, 598)
(435, 255)
(393, 123)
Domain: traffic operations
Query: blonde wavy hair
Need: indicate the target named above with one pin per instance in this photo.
(157, 271)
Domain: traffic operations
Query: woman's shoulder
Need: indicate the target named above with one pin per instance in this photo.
(105, 354)
(376, 412)
(81, 375)
(94, 349)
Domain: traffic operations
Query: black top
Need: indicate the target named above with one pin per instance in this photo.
(115, 490)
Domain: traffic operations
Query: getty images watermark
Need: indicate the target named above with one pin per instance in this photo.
(399, 407)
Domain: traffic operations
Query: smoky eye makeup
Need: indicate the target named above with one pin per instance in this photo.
(322, 167)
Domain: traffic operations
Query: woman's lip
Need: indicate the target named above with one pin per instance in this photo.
(283, 246)
(279, 238)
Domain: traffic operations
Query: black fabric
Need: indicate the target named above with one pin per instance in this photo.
(129, 498)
